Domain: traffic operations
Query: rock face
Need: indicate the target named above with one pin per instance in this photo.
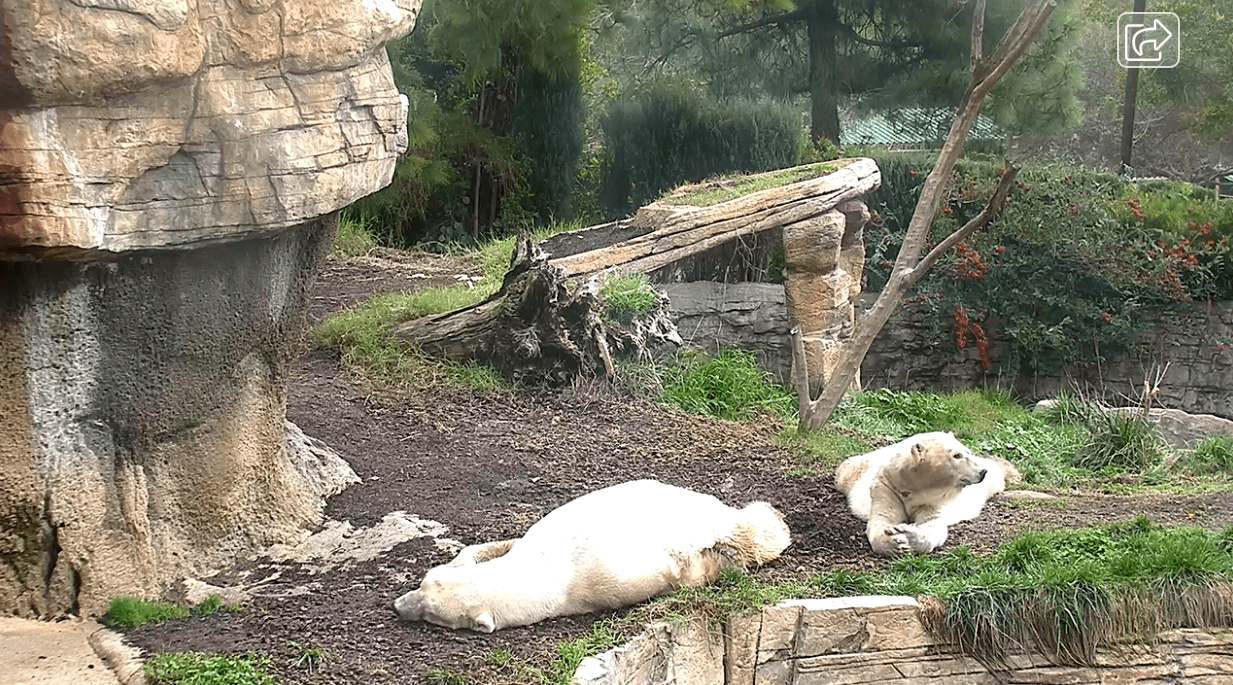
(134, 123)
(168, 177)
(879, 640)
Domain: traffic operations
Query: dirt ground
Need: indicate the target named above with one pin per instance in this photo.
(488, 464)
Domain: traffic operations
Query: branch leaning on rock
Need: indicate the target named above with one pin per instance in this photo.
(909, 267)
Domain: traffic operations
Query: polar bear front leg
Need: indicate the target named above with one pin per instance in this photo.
(478, 554)
(886, 519)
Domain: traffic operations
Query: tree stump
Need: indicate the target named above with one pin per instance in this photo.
(540, 329)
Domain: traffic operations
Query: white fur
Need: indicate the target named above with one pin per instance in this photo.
(914, 518)
(607, 549)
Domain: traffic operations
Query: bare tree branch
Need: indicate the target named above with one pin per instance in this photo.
(986, 71)
(992, 209)
(978, 39)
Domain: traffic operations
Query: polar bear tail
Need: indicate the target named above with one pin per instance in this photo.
(760, 534)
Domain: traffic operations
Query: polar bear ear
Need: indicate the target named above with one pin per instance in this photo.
(918, 448)
(484, 623)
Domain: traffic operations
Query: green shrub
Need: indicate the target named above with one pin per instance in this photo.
(673, 135)
(128, 612)
(195, 668)
(1069, 272)
(1120, 440)
(627, 296)
(727, 386)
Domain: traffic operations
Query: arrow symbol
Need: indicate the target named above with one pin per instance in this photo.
(1138, 42)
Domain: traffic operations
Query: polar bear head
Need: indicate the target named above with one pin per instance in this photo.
(450, 602)
(935, 470)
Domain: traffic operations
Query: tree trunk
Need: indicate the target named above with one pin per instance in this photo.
(1128, 106)
(909, 266)
(823, 79)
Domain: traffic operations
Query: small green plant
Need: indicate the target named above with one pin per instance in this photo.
(129, 612)
(627, 296)
(444, 676)
(1122, 441)
(499, 657)
(195, 668)
(730, 187)
(729, 385)
(570, 653)
(308, 656)
(914, 412)
(208, 606)
(1214, 454)
(352, 239)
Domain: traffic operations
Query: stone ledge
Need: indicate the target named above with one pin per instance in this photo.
(878, 639)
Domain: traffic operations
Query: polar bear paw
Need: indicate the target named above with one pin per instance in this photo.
(910, 539)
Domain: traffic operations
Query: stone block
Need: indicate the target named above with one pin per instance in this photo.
(812, 246)
(741, 649)
(779, 629)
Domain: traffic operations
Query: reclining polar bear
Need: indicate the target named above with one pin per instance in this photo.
(607, 549)
(911, 491)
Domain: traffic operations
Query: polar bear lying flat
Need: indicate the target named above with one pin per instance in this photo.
(607, 549)
(910, 491)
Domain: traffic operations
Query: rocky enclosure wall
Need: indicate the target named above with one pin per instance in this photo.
(906, 355)
(170, 174)
(853, 640)
(1193, 339)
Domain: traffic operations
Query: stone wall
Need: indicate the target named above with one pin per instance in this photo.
(879, 640)
(1193, 339)
(906, 355)
(170, 175)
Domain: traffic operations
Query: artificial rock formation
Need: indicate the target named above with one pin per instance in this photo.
(168, 176)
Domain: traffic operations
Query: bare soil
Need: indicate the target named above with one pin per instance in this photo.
(489, 464)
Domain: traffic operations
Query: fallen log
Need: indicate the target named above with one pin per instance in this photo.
(540, 329)
(546, 323)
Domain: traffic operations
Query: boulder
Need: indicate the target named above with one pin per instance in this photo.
(170, 174)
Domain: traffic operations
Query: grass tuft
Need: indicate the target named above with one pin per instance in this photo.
(729, 386)
(727, 188)
(352, 239)
(1213, 455)
(129, 612)
(1122, 441)
(195, 668)
(627, 296)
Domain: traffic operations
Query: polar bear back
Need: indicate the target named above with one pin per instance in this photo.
(638, 515)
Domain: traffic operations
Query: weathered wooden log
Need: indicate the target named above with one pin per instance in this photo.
(543, 325)
(538, 328)
(683, 231)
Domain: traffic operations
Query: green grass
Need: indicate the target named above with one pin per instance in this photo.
(729, 385)
(129, 612)
(306, 656)
(1071, 591)
(731, 187)
(627, 296)
(444, 676)
(557, 668)
(352, 238)
(195, 668)
(1212, 456)
(363, 338)
(822, 450)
